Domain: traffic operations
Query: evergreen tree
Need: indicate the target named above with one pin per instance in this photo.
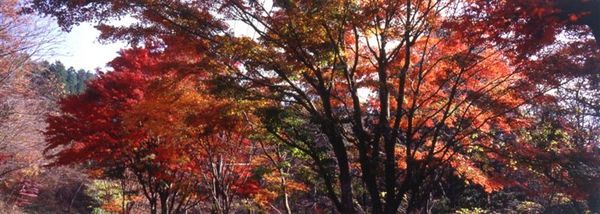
(73, 81)
(59, 70)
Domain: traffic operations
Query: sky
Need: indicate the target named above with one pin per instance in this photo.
(80, 48)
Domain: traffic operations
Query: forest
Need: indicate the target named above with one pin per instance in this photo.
(303, 106)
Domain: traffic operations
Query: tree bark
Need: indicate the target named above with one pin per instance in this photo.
(164, 205)
(339, 149)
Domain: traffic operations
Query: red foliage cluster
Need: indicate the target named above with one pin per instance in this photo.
(143, 119)
(527, 26)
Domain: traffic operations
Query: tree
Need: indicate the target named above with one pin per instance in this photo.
(59, 69)
(559, 149)
(211, 141)
(566, 127)
(22, 36)
(280, 167)
(25, 98)
(74, 82)
(141, 119)
(436, 96)
(22, 84)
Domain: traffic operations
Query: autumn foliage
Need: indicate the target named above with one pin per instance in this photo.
(383, 106)
(160, 128)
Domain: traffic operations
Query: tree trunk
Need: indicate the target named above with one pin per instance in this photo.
(339, 150)
(164, 205)
(328, 126)
(286, 200)
(153, 209)
(369, 177)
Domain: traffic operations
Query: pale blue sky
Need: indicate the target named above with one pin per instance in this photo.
(80, 48)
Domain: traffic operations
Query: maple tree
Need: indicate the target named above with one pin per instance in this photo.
(22, 37)
(19, 40)
(27, 93)
(434, 97)
(142, 120)
(565, 134)
(279, 167)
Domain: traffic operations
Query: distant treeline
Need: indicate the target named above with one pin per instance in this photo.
(73, 80)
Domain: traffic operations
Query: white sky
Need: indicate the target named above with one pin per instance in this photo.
(80, 48)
